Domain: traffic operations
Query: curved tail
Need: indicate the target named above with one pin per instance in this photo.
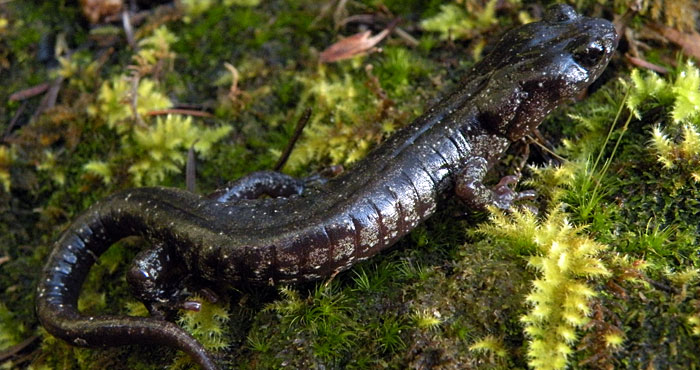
(57, 293)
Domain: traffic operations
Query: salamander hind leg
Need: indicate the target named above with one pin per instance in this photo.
(472, 191)
(257, 184)
(271, 183)
(155, 278)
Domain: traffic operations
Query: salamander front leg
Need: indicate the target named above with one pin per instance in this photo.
(472, 191)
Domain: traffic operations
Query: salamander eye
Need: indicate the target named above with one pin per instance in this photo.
(589, 55)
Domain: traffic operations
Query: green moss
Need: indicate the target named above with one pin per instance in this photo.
(474, 293)
(323, 324)
(12, 330)
(398, 69)
(684, 91)
(388, 334)
(421, 7)
(425, 319)
(337, 129)
(456, 22)
(194, 8)
(650, 318)
(63, 355)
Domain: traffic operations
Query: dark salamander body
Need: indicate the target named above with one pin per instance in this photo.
(308, 232)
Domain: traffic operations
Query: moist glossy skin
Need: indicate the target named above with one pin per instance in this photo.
(313, 230)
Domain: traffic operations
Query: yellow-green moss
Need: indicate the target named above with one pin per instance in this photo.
(114, 102)
(461, 21)
(561, 296)
(490, 344)
(6, 159)
(154, 51)
(676, 143)
(208, 324)
(161, 149)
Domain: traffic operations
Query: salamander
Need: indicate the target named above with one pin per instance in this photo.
(307, 230)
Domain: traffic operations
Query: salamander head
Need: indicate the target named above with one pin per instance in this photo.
(538, 66)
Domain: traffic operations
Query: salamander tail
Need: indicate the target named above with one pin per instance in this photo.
(58, 291)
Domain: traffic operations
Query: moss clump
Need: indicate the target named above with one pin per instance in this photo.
(344, 101)
(355, 108)
(683, 93)
(677, 144)
(160, 149)
(323, 324)
(683, 155)
(154, 53)
(472, 294)
(668, 166)
(114, 102)
(650, 309)
(645, 206)
(397, 69)
(153, 149)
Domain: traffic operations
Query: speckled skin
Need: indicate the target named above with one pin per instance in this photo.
(309, 232)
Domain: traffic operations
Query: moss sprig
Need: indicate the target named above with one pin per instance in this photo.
(51, 164)
(427, 319)
(683, 154)
(152, 148)
(646, 89)
(490, 344)
(694, 322)
(340, 99)
(560, 297)
(154, 52)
